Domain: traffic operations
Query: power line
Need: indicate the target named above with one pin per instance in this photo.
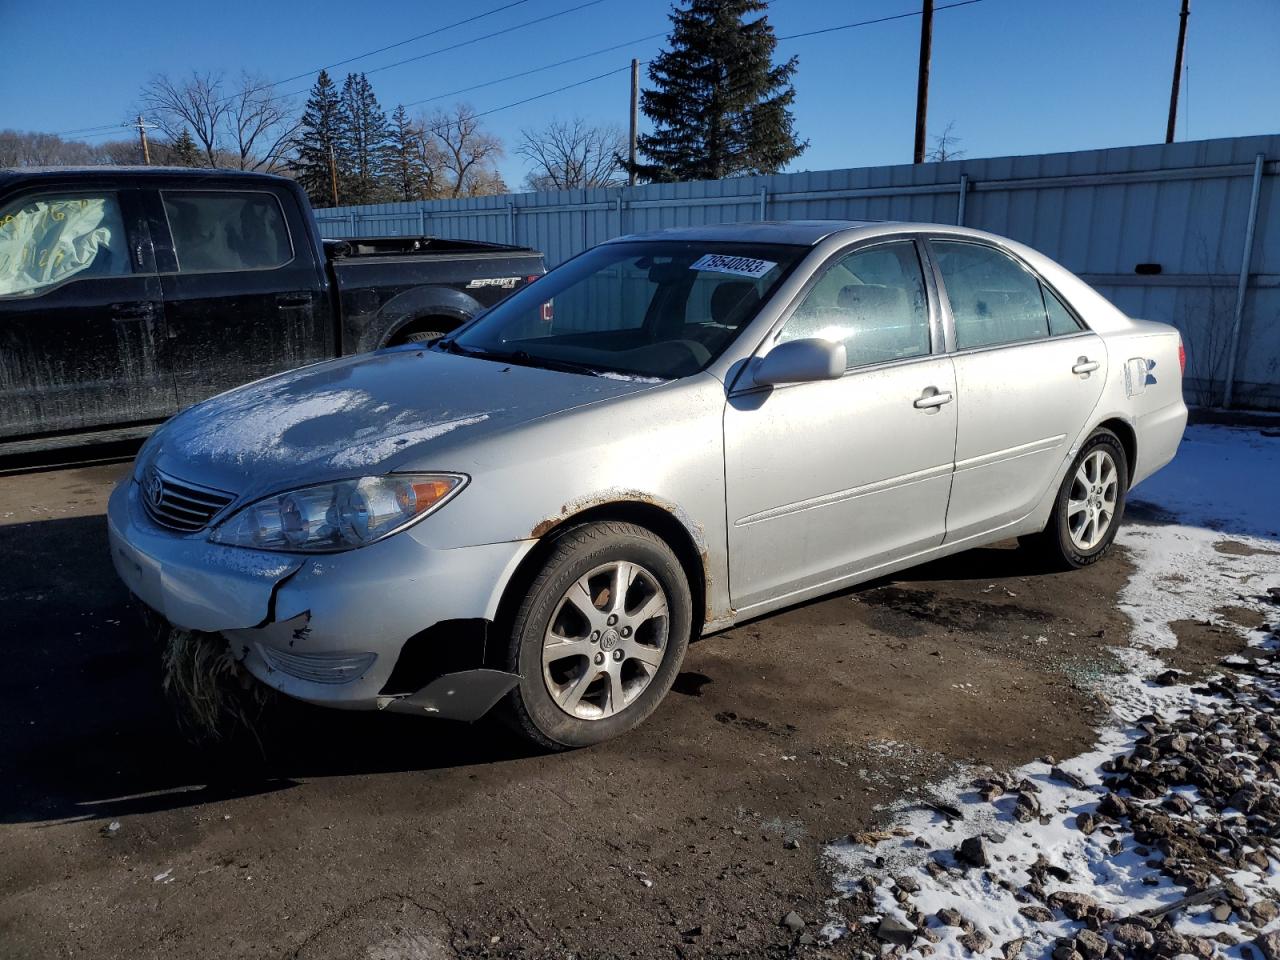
(102, 130)
(792, 36)
(487, 36)
(81, 131)
(867, 23)
(567, 86)
(526, 73)
(398, 43)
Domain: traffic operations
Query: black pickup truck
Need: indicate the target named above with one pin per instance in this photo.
(129, 293)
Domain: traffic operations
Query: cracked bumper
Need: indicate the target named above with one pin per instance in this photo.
(324, 628)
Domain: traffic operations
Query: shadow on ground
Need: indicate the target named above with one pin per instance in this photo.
(86, 732)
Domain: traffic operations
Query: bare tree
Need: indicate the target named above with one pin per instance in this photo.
(20, 148)
(571, 154)
(467, 152)
(196, 104)
(261, 125)
(246, 126)
(944, 146)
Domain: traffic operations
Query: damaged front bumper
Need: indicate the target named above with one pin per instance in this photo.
(337, 629)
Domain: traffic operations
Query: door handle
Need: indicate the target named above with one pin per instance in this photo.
(932, 400)
(1084, 366)
(132, 312)
(293, 299)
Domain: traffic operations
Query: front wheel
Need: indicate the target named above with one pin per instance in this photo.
(600, 636)
(1086, 514)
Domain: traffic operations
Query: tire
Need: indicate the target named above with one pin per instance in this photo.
(421, 336)
(1068, 542)
(607, 669)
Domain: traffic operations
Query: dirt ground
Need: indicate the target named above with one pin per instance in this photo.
(392, 837)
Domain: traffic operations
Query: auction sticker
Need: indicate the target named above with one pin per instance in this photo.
(738, 266)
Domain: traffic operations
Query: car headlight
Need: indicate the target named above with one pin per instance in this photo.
(337, 516)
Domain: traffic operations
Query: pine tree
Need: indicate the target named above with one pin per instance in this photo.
(365, 142)
(407, 172)
(318, 140)
(720, 107)
(183, 152)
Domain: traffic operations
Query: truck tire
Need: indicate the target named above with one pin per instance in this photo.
(422, 336)
(599, 637)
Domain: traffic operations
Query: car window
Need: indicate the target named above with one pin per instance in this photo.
(994, 299)
(660, 308)
(50, 239)
(1061, 319)
(222, 231)
(873, 301)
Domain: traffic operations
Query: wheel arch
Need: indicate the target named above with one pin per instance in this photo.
(422, 322)
(654, 518)
(1128, 438)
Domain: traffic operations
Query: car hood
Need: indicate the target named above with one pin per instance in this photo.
(361, 416)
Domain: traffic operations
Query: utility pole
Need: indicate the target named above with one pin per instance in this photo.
(635, 119)
(922, 82)
(142, 136)
(333, 175)
(1177, 70)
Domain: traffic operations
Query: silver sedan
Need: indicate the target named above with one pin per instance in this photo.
(664, 436)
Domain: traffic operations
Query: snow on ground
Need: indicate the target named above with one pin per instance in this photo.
(1039, 827)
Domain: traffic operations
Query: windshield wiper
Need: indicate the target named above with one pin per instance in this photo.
(525, 359)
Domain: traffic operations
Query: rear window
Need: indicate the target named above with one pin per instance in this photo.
(217, 232)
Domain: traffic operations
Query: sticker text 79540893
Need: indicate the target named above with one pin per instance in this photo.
(738, 266)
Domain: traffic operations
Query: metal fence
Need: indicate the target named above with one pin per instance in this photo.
(1187, 233)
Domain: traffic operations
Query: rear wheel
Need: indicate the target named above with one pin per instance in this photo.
(1086, 514)
(600, 636)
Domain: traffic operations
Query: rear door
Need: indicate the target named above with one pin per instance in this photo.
(81, 318)
(243, 295)
(1028, 376)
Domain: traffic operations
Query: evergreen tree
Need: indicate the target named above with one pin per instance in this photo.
(407, 172)
(319, 134)
(365, 142)
(183, 152)
(720, 107)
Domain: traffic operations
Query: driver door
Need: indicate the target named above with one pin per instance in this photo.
(830, 479)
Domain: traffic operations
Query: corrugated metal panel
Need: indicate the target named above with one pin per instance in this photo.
(1098, 212)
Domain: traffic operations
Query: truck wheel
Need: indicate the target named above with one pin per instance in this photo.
(600, 636)
(421, 336)
(1089, 505)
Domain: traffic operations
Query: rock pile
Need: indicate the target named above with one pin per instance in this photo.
(1190, 812)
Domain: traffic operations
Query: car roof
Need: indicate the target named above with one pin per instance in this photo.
(9, 175)
(800, 232)
(811, 232)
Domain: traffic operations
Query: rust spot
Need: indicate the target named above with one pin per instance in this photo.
(545, 527)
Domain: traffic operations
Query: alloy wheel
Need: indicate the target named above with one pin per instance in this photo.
(1091, 502)
(606, 640)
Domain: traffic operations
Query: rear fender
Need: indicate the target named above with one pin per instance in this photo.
(404, 308)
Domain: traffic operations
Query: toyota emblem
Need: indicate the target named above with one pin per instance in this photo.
(154, 488)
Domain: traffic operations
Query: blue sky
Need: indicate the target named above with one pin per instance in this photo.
(1014, 76)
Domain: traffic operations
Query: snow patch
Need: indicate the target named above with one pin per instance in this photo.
(1224, 479)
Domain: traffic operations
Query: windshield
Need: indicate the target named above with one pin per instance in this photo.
(661, 309)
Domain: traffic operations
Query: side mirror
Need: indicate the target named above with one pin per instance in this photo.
(801, 361)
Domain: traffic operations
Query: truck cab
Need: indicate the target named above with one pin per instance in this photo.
(127, 294)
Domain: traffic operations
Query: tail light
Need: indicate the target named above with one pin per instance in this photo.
(1182, 356)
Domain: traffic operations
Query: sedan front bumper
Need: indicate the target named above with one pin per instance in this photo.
(324, 628)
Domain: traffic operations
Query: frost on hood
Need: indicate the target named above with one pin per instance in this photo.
(339, 427)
